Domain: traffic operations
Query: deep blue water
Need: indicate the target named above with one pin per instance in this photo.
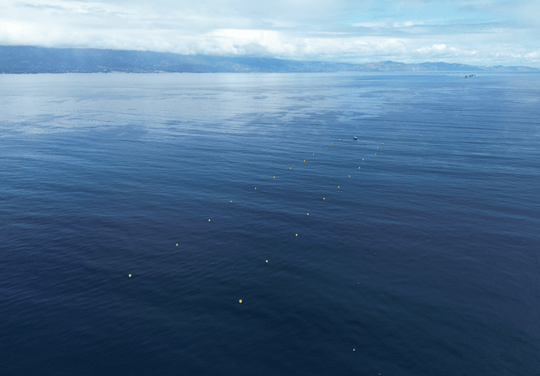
(425, 261)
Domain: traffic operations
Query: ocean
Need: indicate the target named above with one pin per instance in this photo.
(229, 224)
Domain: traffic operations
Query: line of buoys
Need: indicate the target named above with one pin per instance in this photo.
(324, 199)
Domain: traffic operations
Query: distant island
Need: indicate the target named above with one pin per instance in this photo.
(25, 59)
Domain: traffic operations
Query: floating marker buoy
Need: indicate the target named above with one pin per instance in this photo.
(307, 213)
(274, 177)
(208, 220)
(304, 161)
(177, 244)
(359, 168)
(296, 234)
(362, 159)
(255, 188)
(375, 153)
(290, 168)
(323, 198)
(338, 186)
(240, 301)
(129, 275)
(231, 202)
(355, 350)
(349, 175)
(267, 261)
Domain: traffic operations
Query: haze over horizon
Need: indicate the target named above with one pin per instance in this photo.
(477, 32)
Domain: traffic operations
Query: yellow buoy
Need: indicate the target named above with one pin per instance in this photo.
(296, 234)
(266, 260)
(240, 301)
(349, 175)
(129, 275)
(274, 177)
(353, 350)
(231, 202)
(177, 244)
(359, 168)
(255, 188)
(338, 186)
(304, 161)
(307, 213)
(375, 153)
(323, 198)
(290, 168)
(313, 153)
(208, 220)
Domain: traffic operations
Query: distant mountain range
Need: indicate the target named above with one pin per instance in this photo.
(24, 59)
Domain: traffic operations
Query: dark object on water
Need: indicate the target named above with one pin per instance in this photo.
(354, 138)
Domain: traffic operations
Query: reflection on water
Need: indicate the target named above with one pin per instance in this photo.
(424, 260)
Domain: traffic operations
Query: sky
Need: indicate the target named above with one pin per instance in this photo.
(478, 32)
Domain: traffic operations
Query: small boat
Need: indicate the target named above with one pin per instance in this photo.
(354, 138)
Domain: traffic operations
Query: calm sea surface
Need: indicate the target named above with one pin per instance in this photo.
(420, 254)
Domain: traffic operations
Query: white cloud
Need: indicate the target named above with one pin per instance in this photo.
(341, 30)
